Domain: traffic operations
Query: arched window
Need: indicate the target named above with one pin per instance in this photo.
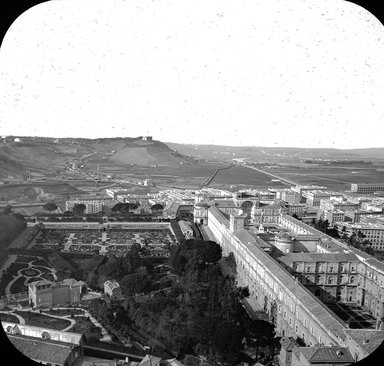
(330, 280)
(352, 279)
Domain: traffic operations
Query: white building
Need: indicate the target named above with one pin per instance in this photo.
(112, 289)
(114, 191)
(288, 195)
(373, 232)
(333, 216)
(186, 229)
(314, 197)
(91, 206)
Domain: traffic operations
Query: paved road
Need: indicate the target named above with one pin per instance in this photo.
(291, 182)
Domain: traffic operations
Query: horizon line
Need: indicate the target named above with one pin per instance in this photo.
(192, 143)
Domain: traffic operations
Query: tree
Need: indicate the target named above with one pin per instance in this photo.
(134, 283)
(79, 208)
(50, 206)
(231, 260)
(344, 234)
(132, 206)
(157, 207)
(124, 208)
(7, 210)
(211, 252)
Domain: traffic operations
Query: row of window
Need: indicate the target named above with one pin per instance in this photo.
(331, 280)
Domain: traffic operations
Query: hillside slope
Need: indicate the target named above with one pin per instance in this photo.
(263, 153)
(44, 155)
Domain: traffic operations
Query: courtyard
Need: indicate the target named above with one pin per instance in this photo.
(354, 315)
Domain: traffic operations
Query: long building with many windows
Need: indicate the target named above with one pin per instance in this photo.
(296, 311)
(367, 188)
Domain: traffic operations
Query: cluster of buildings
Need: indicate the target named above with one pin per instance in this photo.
(63, 348)
(325, 298)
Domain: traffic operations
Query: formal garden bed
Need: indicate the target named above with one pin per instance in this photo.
(43, 321)
(64, 312)
(34, 279)
(47, 276)
(9, 318)
(19, 286)
(43, 269)
(15, 267)
(30, 272)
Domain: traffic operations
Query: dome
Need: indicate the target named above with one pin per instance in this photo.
(283, 236)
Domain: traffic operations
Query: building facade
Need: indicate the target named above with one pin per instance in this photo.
(91, 206)
(367, 188)
(46, 294)
(295, 310)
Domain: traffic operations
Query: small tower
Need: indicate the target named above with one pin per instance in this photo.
(236, 222)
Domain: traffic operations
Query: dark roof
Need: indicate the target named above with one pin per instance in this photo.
(202, 204)
(326, 354)
(42, 350)
(218, 215)
(373, 262)
(225, 203)
(247, 236)
(319, 257)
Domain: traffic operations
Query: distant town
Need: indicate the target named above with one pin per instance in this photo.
(105, 263)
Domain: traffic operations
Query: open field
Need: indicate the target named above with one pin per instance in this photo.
(245, 176)
(334, 178)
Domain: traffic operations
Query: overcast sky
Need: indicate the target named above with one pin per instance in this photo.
(303, 73)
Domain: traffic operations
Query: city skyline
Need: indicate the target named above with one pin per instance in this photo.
(216, 73)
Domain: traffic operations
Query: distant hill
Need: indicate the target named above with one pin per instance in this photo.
(43, 155)
(273, 153)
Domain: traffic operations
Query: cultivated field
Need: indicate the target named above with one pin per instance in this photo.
(335, 178)
(239, 175)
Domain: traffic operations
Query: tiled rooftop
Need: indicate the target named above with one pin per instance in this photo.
(218, 215)
(368, 340)
(319, 257)
(42, 350)
(326, 354)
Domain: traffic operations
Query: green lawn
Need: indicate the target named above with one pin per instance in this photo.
(8, 318)
(64, 312)
(40, 320)
(18, 286)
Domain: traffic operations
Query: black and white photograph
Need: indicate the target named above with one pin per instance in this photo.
(192, 183)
